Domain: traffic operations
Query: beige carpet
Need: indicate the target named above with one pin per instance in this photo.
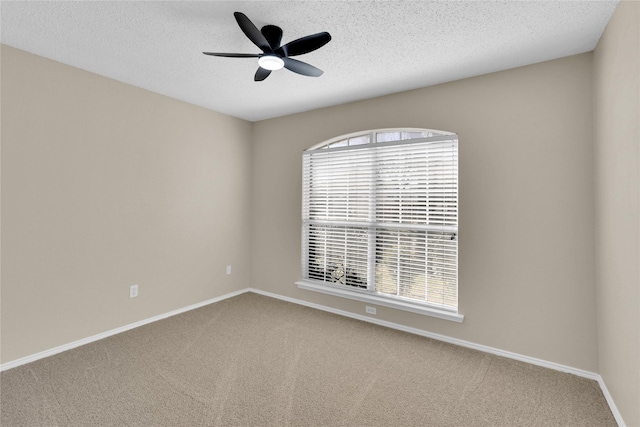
(257, 361)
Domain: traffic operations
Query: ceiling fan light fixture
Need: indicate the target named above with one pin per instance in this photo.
(275, 56)
(270, 62)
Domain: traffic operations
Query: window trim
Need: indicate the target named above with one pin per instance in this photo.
(367, 296)
(372, 133)
(385, 301)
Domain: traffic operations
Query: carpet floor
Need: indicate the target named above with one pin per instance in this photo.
(257, 361)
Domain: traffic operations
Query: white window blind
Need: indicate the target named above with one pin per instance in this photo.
(380, 215)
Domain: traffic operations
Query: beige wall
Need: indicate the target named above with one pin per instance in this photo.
(105, 185)
(617, 171)
(526, 275)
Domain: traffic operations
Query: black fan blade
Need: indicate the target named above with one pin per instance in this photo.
(251, 31)
(273, 34)
(301, 67)
(233, 55)
(304, 45)
(261, 74)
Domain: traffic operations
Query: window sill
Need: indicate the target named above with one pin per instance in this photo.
(374, 299)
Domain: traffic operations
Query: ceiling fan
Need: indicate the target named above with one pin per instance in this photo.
(274, 56)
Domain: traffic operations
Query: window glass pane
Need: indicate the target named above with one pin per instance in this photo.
(342, 143)
(338, 255)
(417, 264)
(338, 185)
(400, 263)
(416, 135)
(359, 140)
(388, 136)
(442, 274)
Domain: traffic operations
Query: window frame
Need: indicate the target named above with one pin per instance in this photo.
(370, 295)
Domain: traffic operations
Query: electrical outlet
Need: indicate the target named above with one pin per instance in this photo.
(228, 270)
(133, 291)
(370, 310)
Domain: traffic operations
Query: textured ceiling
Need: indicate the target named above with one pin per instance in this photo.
(377, 47)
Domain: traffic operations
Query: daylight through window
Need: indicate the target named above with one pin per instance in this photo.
(380, 216)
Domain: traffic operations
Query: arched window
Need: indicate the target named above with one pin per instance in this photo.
(380, 219)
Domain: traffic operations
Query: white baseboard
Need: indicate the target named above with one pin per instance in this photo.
(463, 343)
(612, 405)
(444, 338)
(69, 346)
